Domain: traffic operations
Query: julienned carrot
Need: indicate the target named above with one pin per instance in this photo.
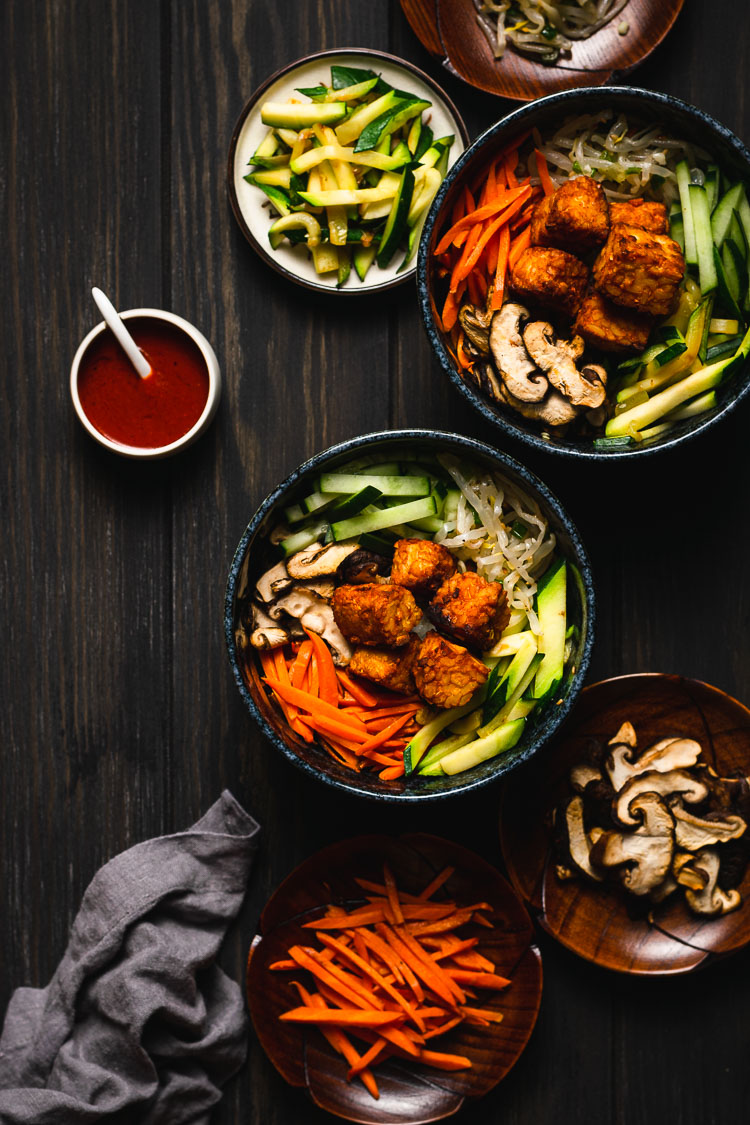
(307, 702)
(299, 666)
(468, 261)
(519, 244)
(488, 211)
(471, 241)
(342, 1017)
(328, 685)
(450, 308)
(543, 171)
(435, 885)
(501, 270)
(380, 981)
(361, 694)
(340, 1043)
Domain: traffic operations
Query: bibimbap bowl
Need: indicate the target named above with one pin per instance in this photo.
(659, 350)
(497, 511)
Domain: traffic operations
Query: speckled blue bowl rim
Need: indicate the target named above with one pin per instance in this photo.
(512, 124)
(468, 447)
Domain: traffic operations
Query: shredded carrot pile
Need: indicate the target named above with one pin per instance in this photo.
(489, 230)
(393, 974)
(359, 726)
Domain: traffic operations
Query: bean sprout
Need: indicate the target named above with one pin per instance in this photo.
(544, 29)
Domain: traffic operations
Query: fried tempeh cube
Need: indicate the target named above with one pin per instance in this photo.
(421, 565)
(610, 327)
(550, 277)
(471, 609)
(644, 213)
(446, 675)
(640, 270)
(575, 217)
(375, 613)
(389, 667)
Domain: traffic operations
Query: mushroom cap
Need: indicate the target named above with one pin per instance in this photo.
(272, 582)
(518, 372)
(711, 899)
(319, 560)
(694, 832)
(557, 358)
(266, 633)
(554, 409)
(316, 614)
(673, 782)
(576, 840)
(643, 857)
(668, 754)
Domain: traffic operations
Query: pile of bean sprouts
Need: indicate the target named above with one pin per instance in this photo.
(628, 160)
(544, 29)
(481, 533)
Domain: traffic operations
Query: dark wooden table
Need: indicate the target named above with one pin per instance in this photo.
(119, 719)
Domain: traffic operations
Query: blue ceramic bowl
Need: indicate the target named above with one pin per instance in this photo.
(254, 555)
(546, 115)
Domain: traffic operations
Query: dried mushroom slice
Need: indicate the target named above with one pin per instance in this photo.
(711, 899)
(694, 832)
(642, 858)
(674, 782)
(664, 756)
(577, 843)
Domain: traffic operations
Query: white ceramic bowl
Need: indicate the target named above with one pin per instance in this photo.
(214, 389)
(250, 205)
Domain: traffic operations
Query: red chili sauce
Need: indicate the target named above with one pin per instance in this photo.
(151, 412)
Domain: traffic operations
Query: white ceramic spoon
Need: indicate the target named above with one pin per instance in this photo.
(126, 341)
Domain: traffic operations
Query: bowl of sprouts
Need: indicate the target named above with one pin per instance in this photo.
(524, 49)
(409, 615)
(583, 273)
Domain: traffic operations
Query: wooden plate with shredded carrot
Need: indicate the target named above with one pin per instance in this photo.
(394, 978)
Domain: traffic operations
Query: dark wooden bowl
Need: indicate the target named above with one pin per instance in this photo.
(408, 1095)
(449, 30)
(598, 923)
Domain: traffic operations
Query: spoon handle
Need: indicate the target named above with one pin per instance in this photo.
(126, 341)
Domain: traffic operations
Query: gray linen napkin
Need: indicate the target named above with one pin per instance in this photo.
(138, 1024)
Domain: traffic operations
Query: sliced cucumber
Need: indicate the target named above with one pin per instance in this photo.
(512, 698)
(505, 684)
(423, 739)
(397, 221)
(381, 518)
(389, 122)
(275, 177)
(683, 184)
(721, 218)
(287, 116)
(712, 184)
(430, 764)
(377, 543)
(551, 610)
(702, 230)
(505, 737)
(363, 258)
(387, 485)
(279, 198)
(302, 539)
(350, 129)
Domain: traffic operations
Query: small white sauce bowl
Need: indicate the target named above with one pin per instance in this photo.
(140, 453)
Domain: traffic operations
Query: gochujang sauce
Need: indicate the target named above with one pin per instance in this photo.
(146, 412)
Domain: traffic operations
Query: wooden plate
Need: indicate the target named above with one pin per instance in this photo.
(408, 1095)
(597, 923)
(449, 29)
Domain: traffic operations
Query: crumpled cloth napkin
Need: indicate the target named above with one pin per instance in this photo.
(138, 1024)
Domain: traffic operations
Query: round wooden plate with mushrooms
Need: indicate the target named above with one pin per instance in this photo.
(667, 826)
(408, 1093)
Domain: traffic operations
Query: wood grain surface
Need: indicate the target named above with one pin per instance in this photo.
(119, 719)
